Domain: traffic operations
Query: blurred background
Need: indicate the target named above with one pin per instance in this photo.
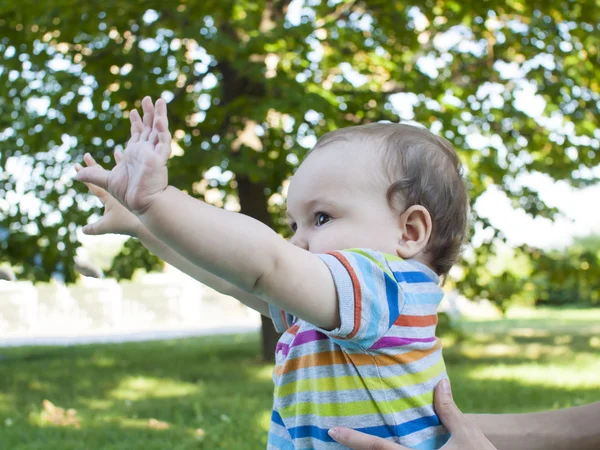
(88, 324)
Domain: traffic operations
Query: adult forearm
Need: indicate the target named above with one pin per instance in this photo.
(228, 245)
(159, 248)
(564, 429)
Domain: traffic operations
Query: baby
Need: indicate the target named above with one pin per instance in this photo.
(379, 214)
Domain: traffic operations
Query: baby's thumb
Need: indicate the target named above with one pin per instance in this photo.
(95, 175)
(446, 409)
(96, 228)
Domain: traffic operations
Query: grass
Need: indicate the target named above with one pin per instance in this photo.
(214, 393)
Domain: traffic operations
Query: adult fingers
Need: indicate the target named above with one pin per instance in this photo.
(446, 409)
(360, 441)
(465, 434)
(148, 108)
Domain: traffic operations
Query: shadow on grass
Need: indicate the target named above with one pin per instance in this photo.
(492, 349)
(214, 384)
(500, 373)
(217, 384)
(513, 396)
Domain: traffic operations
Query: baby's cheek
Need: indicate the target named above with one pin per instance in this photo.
(333, 239)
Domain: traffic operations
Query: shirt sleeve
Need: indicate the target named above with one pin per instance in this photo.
(370, 299)
(281, 320)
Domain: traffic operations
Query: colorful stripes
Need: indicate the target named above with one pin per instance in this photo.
(416, 321)
(348, 383)
(411, 277)
(382, 431)
(301, 338)
(350, 408)
(388, 342)
(334, 357)
(357, 293)
(376, 372)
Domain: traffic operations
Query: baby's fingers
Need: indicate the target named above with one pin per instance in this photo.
(118, 156)
(137, 126)
(161, 125)
(89, 160)
(148, 108)
(97, 228)
(95, 175)
(98, 192)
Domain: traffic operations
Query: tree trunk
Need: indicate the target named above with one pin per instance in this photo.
(253, 202)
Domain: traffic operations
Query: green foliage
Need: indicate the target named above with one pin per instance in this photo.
(569, 276)
(233, 66)
(133, 250)
(544, 278)
(446, 329)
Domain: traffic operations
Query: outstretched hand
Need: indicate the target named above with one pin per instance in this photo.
(141, 174)
(465, 435)
(116, 218)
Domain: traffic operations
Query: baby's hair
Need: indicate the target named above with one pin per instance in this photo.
(423, 169)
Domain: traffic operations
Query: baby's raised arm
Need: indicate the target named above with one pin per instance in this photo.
(246, 253)
(238, 248)
(119, 220)
(231, 246)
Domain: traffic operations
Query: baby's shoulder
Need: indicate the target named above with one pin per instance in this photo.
(402, 270)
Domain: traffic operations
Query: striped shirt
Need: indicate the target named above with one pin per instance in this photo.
(375, 373)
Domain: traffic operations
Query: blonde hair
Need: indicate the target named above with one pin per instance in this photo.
(423, 169)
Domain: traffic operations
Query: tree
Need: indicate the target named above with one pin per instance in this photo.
(250, 84)
(568, 276)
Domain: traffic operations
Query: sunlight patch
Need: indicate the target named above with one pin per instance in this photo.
(6, 403)
(37, 385)
(542, 375)
(99, 404)
(103, 361)
(264, 420)
(264, 373)
(137, 388)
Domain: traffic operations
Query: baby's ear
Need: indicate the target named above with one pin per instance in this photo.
(414, 231)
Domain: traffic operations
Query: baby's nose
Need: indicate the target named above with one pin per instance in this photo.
(299, 241)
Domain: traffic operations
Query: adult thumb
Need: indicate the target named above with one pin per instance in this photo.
(445, 407)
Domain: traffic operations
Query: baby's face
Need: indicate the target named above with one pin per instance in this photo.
(337, 200)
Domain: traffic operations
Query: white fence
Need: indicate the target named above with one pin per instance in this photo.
(151, 306)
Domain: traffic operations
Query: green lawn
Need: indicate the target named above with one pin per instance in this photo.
(527, 362)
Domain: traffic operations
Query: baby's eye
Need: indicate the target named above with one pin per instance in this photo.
(322, 218)
(293, 227)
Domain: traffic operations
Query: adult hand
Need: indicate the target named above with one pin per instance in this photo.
(465, 435)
